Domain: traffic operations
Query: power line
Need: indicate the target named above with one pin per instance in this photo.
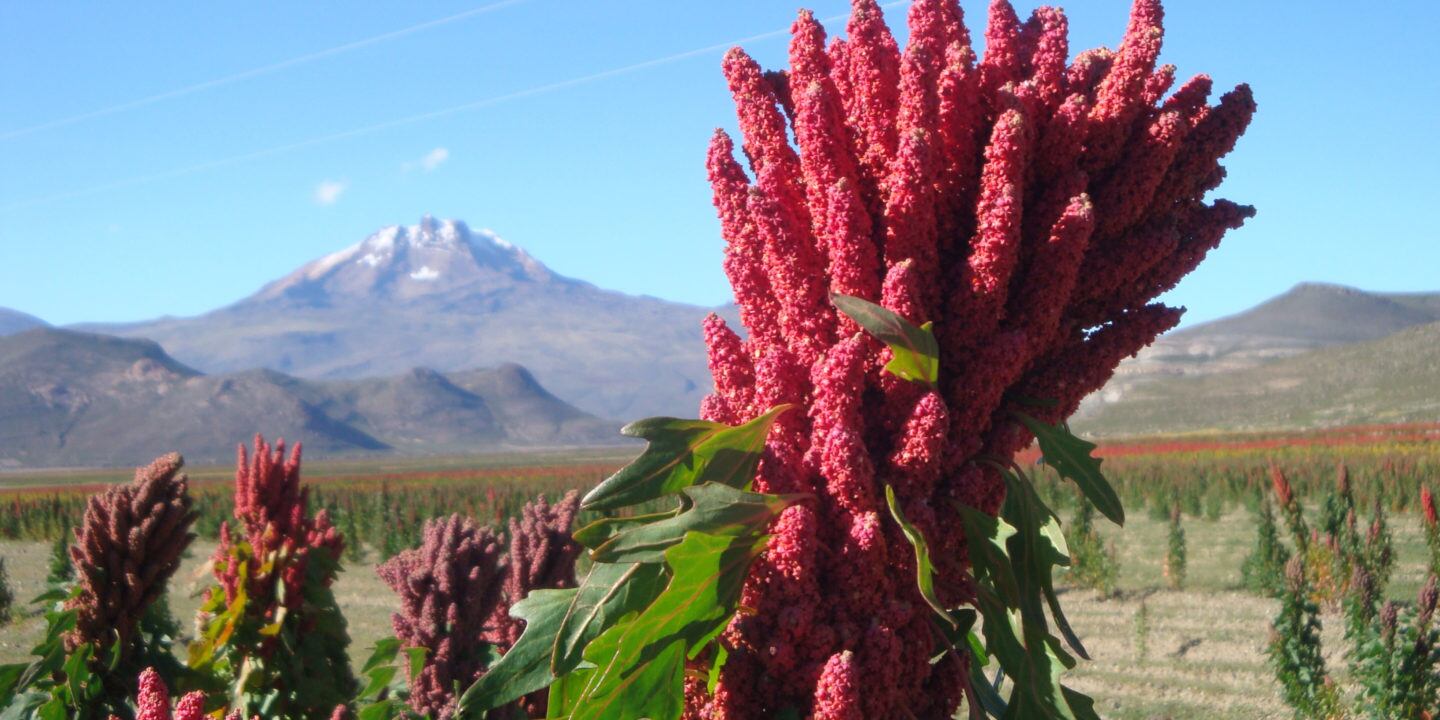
(255, 72)
(412, 119)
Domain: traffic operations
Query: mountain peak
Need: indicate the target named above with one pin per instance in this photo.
(409, 261)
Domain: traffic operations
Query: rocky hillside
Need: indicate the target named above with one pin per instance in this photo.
(1308, 317)
(1394, 379)
(71, 398)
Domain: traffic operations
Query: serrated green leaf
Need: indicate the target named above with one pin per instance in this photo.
(1082, 705)
(53, 710)
(956, 634)
(1022, 547)
(609, 592)
(985, 692)
(637, 661)
(713, 509)
(597, 533)
(654, 688)
(1036, 690)
(416, 663)
(10, 678)
(914, 354)
(526, 667)
(1037, 547)
(1071, 457)
(712, 680)
(58, 623)
(77, 672)
(51, 659)
(986, 539)
(377, 680)
(682, 453)
(384, 653)
(383, 710)
(565, 693)
(924, 570)
(113, 651)
(1062, 622)
(50, 596)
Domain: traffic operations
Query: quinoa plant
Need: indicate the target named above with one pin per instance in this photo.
(1214, 505)
(1263, 571)
(1398, 663)
(451, 597)
(1295, 650)
(1092, 564)
(1432, 529)
(1142, 631)
(152, 702)
(354, 548)
(1393, 653)
(60, 570)
(104, 629)
(272, 634)
(1377, 551)
(1175, 554)
(7, 596)
(950, 255)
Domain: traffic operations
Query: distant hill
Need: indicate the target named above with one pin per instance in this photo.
(1307, 317)
(1393, 379)
(444, 296)
(71, 398)
(14, 321)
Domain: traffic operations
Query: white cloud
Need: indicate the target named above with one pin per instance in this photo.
(434, 159)
(425, 274)
(329, 191)
(427, 162)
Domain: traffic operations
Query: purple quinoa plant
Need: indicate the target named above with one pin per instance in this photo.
(450, 590)
(129, 543)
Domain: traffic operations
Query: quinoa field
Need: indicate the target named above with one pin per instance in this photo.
(1197, 651)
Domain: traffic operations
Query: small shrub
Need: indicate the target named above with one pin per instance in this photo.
(1263, 572)
(60, 571)
(354, 549)
(7, 596)
(1175, 555)
(1092, 564)
(1142, 631)
(1214, 506)
(1295, 652)
(271, 629)
(1398, 663)
(1432, 529)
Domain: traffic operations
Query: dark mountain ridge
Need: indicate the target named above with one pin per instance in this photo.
(71, 398)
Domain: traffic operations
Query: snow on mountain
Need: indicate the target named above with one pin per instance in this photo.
(405, 261)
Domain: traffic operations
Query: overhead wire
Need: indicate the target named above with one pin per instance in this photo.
(412, 119)
(255, 72)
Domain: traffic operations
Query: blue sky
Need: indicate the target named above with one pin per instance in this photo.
(313, 124)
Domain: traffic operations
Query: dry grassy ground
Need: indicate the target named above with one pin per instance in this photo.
(1204, 647)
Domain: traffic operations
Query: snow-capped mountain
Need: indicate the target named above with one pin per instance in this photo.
(442, 295)
(403, 262)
